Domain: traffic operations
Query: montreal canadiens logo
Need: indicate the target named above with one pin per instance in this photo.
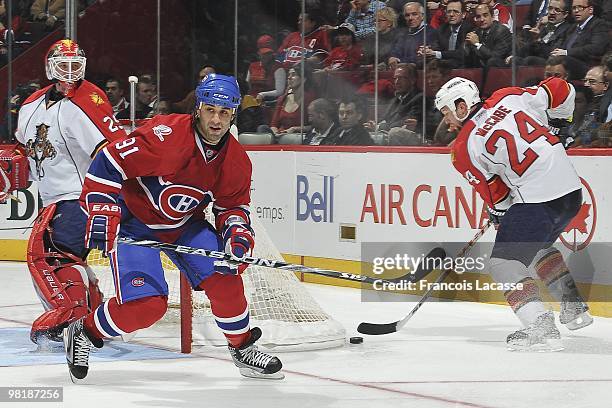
(579, 232)
(177, 201)
(138, 282)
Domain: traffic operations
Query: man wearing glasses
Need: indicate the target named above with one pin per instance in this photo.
(545, 37)
(598, 83)
(587, 40)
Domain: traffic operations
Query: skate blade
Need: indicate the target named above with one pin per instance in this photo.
(250, 373)
(548, 347)
(581, 321)
(76, 380)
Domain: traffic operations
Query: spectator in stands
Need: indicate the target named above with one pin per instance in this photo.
(491, 43)
(114, 92)
(557, 67)
(605, 112)
(543, 38)
(188, 103)
(267, 77)
(21, 93)
(289, 106)
(588, 39)
(409, 39)
(17, 28)
(436, 12)
(500, 13)
(362, 17)
(386, 21)
(322, 116)
(161, 106)
(451, 36)
(145, 96)
(583, 123)
(250, 114)
(538, 10)
(604, 136)
(49, 12)
(347, 55)
(597, 82)
(407, 107)
(316, 42)
(351, 114)
(438, 72)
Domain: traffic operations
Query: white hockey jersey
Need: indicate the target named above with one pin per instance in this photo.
(508, 154)
(61, 138)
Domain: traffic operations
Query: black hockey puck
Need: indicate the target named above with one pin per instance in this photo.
(356, 340)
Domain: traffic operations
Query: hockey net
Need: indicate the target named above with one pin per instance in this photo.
(289, 317)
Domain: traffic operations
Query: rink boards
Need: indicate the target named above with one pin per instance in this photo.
(324, 208)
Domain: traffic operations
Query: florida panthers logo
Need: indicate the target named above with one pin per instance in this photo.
(40, 148)
(161, 131)
(177, 201)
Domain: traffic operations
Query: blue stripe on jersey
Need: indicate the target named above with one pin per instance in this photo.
(104, 322)
(240, 324)
(102, 167)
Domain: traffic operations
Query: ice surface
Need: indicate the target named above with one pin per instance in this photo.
(451, 354)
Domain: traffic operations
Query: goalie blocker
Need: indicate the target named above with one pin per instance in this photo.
(13, 172)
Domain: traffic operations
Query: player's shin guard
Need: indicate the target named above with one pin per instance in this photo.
(229, 306)
(525, 300)
(112, 319)
(553, 271)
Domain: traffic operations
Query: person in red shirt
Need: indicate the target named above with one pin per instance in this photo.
(347, 55)
(289, 107)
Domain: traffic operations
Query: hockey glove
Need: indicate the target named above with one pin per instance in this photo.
(102, 226)
(13, 172)
(560, 128)
(238, 240)
(496, 215)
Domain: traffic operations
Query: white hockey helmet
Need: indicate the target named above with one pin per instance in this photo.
(455, 89)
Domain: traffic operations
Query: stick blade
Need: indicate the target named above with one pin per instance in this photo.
(376, 329)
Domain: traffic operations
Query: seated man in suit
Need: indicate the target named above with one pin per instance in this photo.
(545, 37)
(451, 36)
(491, 43)
(351, 113)
(587, 40)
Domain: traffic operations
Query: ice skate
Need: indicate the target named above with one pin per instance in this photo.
(574, 313)
(254, 363)
(541, 335)
(78, 345)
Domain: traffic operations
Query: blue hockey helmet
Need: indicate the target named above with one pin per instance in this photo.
(218, 90)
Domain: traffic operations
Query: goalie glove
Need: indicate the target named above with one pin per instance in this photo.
(238, 240)
(102, 229)
(13, 172)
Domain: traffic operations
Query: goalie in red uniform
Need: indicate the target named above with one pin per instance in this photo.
(156, 185)
(520, 169)
(60, 128)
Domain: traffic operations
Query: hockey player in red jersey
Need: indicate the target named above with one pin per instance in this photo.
(156, 184)
(60, 128)
(520, 169)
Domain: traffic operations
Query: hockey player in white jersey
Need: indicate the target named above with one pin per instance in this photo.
(521, 170)
(60, 129)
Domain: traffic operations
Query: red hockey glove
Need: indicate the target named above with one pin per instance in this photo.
(102, 226)
(239, 241)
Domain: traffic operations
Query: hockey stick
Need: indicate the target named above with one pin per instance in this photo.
(271, 263)
(386, 328)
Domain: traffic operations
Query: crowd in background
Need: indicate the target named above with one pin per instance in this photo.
(368, 59)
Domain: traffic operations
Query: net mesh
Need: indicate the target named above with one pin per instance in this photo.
(278, 303)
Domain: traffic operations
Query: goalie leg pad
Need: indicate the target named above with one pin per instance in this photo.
(229, 306)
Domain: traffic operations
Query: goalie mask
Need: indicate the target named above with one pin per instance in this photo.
(65, 63)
